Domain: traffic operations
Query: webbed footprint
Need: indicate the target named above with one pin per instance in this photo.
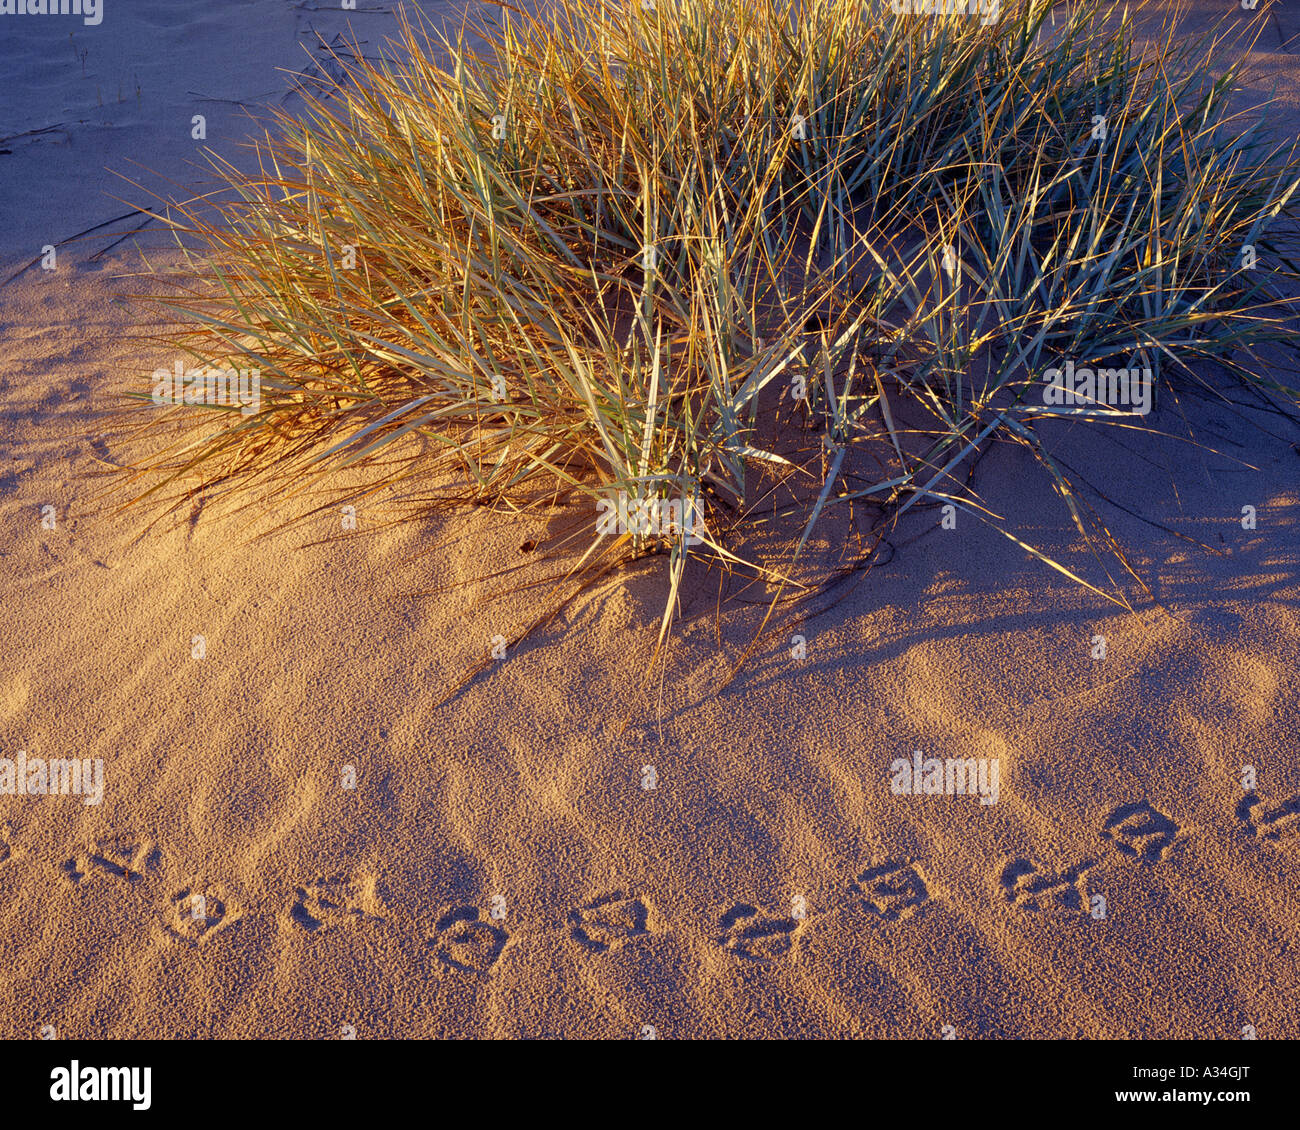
(609, 922)
(126, 858)
(336, 902)
(1270, 822)
(756, 936)
(1030, 886)
(1141, 831)
(892, 890)
(196, 913)
(466, 941)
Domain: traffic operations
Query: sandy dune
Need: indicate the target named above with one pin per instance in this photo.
(499, 867)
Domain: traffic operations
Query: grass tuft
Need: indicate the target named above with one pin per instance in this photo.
(726, 252)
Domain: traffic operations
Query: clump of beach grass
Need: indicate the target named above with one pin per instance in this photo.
(657, 247)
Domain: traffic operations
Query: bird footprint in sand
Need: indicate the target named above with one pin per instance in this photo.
(333, 902)
(127, 858)
(891, 890)
(1270, 822)
(464, 940)
(1030, 886)
(609, 922)
(756, 936)
(196, 913)
(1140, 831)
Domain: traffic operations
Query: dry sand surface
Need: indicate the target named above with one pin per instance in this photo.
(499, 868)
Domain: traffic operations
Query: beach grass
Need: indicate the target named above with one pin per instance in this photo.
(691, 250)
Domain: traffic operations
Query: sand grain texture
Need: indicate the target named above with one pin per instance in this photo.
(499, 870)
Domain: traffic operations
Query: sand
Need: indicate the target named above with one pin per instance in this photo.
(296, 840)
